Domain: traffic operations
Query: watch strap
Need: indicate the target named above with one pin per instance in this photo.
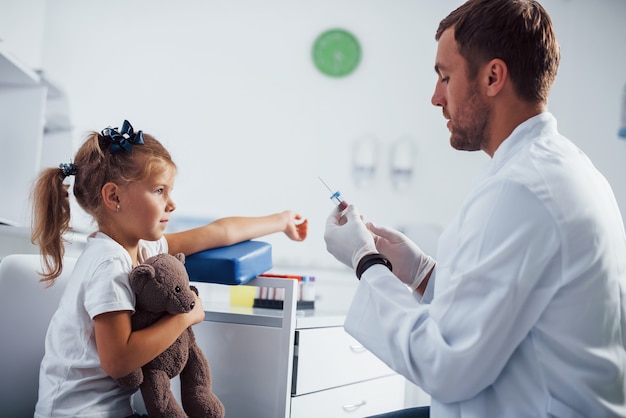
(369, 260)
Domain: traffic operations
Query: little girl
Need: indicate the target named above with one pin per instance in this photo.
(124, 180)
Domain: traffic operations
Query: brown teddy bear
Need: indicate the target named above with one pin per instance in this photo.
(161, 285)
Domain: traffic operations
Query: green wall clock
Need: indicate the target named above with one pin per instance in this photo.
(336, 53)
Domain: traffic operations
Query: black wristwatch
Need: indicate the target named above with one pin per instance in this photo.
(369, 260)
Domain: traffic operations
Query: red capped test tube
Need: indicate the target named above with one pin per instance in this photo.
(338, 200)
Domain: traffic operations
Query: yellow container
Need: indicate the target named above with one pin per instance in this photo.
(241, 295)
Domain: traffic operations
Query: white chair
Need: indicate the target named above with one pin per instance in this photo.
(26, 307)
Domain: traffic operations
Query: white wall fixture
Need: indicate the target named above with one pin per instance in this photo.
(402, 162)
(364, 160)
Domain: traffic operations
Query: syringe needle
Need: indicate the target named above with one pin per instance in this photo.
(324, 183)
(336, 196)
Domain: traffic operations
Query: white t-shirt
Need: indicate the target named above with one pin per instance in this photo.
(72, 382)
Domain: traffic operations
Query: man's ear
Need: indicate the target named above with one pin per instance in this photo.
(495, 76)
(110, 196)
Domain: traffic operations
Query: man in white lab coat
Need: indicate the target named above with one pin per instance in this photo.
(523, 314)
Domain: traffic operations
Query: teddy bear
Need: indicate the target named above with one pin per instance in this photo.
(161, 285)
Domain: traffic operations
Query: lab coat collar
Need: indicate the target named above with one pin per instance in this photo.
(526, 132)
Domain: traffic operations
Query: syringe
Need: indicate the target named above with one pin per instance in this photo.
(335, 197)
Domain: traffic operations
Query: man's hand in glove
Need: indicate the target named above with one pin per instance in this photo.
(347, 238)
(410, 264)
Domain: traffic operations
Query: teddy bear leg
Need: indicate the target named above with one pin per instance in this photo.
(198, 399)
(158, 397)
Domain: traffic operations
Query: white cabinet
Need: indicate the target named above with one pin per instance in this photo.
(22, 103)
(285, 363)
(335, 376)
(361, 399)
(329, 357)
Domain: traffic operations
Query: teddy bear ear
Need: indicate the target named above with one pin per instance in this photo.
(141, 275)
(180, 257)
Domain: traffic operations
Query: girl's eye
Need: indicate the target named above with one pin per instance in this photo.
(159, 191)
(445, 79)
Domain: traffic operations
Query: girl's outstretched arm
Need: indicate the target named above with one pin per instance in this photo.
(234, 229)
(122, 351)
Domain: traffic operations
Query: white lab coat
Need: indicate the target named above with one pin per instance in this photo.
(528, 317)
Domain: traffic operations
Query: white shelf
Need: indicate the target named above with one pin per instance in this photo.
(305, 318)
(13, 72)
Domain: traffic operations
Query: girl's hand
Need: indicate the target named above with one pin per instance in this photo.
(297, 227)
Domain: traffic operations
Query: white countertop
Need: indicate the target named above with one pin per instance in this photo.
(334, 291)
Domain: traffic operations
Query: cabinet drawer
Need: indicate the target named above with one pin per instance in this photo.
(356, 400)
(328, 357)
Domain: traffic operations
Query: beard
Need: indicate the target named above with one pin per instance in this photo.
(468, 132)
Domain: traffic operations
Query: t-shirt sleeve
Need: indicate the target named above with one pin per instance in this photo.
(109, 290)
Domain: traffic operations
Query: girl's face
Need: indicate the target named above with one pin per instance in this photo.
(146, 206)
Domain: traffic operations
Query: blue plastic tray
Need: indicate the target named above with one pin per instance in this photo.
(235, 264)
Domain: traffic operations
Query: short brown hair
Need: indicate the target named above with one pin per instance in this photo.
(519, 32)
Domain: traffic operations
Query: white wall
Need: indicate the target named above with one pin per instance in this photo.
(230, 88)
(21, 30)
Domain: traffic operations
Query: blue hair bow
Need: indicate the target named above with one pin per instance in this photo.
(68, 169)
(124, 139)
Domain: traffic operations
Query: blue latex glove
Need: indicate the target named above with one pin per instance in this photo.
(409, 262)
(347, 238)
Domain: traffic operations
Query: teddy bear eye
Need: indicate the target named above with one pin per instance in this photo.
(177, 289)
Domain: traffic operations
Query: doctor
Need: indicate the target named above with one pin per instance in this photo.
(524, 312)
